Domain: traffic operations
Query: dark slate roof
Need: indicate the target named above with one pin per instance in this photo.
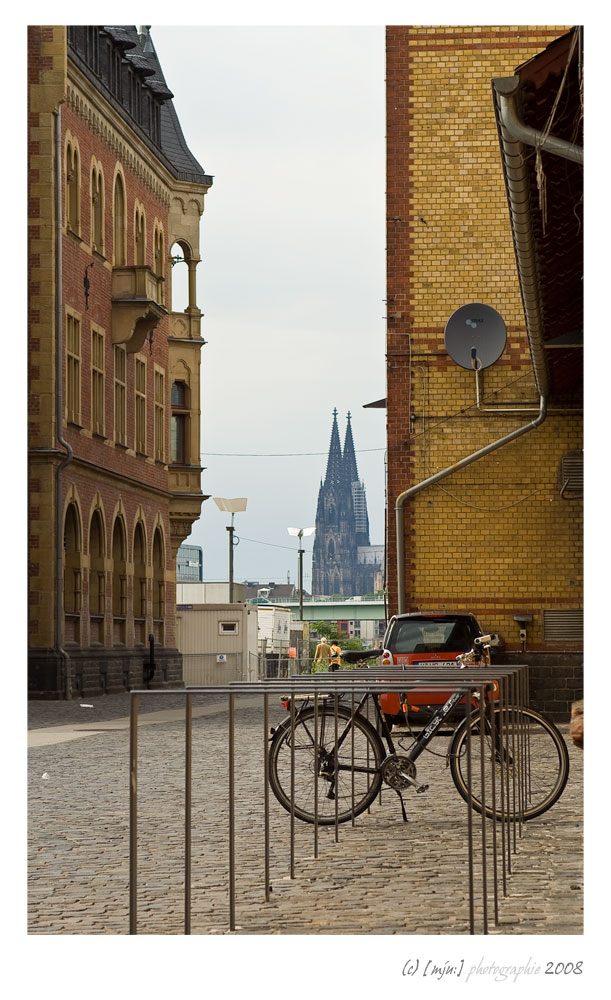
(172, 139)
(138, 50)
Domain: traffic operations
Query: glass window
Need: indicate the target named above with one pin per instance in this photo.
(97, 382)
(73, 369)
(120, 395)
(140, 406)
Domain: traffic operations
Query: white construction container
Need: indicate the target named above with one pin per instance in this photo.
(218, 642)
(274, 628)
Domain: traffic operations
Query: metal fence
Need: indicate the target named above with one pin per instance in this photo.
(203, 669)
(489, 846)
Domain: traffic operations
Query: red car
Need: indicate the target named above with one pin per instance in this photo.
(425, 639)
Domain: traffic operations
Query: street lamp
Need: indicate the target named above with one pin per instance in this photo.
(300, 533)
(232, 507)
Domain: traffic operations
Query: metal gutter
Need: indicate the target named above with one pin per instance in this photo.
(506, 89)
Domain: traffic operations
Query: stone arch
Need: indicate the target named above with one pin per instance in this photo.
(119, 567)
(97, 567)
(97, 205)
(72, 180)
(159, 560)
(139, 549)
(73, 553)
(139, 223)
(119, 217)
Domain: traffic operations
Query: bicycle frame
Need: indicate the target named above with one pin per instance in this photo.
(421, 740)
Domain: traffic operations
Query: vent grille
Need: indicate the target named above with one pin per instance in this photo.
(563, 626)
(571, 473)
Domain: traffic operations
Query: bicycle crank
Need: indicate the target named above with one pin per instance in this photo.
(400, 772)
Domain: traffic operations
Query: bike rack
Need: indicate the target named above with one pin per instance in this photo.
(473, 683)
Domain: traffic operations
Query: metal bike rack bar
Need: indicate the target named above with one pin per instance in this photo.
(353, 684)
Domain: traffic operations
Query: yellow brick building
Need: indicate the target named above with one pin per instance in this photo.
(502, 536)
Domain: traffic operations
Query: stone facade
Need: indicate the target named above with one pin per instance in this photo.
(497, 538)
(112, 187)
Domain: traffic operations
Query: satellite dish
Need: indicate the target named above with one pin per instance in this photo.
(475, 336)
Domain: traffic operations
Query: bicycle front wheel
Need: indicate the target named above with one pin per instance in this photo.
(522, 757)
(329, 766)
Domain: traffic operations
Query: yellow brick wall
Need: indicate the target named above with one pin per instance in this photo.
(495, 538)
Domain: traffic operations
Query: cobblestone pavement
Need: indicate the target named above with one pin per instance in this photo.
(381, 877)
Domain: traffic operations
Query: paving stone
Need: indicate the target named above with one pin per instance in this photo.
(79, 843)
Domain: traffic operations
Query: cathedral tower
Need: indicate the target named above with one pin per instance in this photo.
(342, 523)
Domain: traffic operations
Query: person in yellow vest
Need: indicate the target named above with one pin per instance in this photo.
(321, 656)
(335, 655)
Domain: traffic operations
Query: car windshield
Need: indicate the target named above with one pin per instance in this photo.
(436, 635)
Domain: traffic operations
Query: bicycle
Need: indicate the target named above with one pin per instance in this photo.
(336, 746)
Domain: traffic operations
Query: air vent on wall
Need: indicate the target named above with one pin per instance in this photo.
(571, 474)
(565, 625)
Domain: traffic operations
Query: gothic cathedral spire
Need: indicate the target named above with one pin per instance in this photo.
(342, 523)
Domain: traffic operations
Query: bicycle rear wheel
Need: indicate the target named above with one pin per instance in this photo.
(529, 758)
(336, 765)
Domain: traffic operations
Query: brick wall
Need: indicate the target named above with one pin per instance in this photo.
(495, 538)
(101, 474)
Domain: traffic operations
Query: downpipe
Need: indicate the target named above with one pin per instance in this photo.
(59, 417)
(443, 474)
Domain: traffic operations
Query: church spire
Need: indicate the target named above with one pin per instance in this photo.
(350, 469)
(334, 461)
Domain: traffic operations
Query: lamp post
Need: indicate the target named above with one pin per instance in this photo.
(231, 506)
(300, 533)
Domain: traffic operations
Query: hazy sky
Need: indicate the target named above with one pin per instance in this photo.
(290, 122)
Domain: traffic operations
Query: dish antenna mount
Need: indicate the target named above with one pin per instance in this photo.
(475, 336)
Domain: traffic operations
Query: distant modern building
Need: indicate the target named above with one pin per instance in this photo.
(344, 562)
(189, 564)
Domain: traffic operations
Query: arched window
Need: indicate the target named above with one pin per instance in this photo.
(158, 576)
(139, 572)
(72, 561)
(97, 576)
(179, 256)
(158, 250)
(119, 222)
(140, 237)
(73, 187)
(119, 578)
(179, 429)
(97, 210)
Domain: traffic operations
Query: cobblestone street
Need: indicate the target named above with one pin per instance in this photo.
(79, 839)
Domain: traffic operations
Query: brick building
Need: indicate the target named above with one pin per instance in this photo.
(501, 534)
(114, 468)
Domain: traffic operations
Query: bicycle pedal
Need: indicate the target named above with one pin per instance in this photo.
(422, 788)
